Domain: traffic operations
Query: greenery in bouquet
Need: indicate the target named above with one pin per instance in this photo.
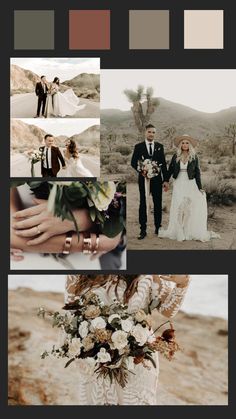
(109, 337)
(105, 201)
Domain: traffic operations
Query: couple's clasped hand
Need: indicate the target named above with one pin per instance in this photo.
(38, 224)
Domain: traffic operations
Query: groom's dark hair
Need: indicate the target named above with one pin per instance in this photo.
(42, 77)
(149, 126)
(48, 135)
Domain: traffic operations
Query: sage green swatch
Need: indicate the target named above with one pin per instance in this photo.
(34, 29)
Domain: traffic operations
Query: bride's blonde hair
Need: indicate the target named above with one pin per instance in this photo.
(191, 152)
(84, 283)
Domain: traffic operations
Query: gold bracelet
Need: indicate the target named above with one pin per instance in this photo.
(87, 245)
(67, 244)
(90, 244)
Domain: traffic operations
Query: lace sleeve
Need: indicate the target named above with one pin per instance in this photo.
(70, 288)
(141, 298)
(169, 298)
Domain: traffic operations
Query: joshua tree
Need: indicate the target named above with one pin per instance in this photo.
(231, 134)
(142, 118)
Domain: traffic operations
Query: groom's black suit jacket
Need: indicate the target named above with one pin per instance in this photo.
(56, 156)
(39, 89)
(141, 153)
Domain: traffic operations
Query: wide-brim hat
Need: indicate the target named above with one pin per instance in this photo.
(180, 138)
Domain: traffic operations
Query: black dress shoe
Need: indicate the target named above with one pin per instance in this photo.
(142, 235)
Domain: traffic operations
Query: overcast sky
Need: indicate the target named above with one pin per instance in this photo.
(62, 126)
(64, 68)
(204, 90)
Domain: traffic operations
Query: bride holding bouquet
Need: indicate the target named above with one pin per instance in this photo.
(108, 336)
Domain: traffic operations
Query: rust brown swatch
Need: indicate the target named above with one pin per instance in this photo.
(89, 29)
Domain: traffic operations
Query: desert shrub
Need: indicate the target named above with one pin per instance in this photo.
(131, 175)
(232, 165)
(204, 166)
(117, 157)
(105, 159)
(123, 149)
(112, 167)
(219, 192)
(215, 147)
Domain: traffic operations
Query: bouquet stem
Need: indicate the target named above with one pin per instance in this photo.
(32, 170)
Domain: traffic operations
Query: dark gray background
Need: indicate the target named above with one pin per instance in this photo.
(198, 262)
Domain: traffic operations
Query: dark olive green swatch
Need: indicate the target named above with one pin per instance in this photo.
(149, 29)
(33, 29)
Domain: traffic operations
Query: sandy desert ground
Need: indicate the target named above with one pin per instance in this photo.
(20, 166)
(198, 376)
(24, 105)
(223, 222)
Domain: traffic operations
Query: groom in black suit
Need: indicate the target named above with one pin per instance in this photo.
(51, 158)
(152, 150)
(41, 90)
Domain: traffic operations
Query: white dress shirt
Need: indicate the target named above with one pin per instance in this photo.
(49, 158)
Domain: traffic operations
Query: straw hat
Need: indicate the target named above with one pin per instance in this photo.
(180, 138)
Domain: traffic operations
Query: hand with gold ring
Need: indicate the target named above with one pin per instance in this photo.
(38, 224)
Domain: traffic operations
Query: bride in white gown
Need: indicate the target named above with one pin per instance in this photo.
(188, 210)
(61, 104)
(74, 165)
(137, 293)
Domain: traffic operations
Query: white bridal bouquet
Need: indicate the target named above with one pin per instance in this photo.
(149, 167)
(110, 336)
(34, 156)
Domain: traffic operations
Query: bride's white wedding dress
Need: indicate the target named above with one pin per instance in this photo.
(188, 211)
(48, 262)
(75, 168)
(62, 104)
(141, 388)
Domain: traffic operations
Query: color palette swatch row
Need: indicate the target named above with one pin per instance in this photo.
(91, 29)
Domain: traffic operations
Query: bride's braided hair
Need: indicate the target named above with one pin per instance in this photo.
(88, 282)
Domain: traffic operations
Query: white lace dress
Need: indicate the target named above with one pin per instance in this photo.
(141, 388)
(75, 168)
(62, 104)
(188, 211)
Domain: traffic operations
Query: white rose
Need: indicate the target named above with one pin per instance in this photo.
(140, 316)
(119, 339)
(130, 363)
(127, 324)
(103, 356)
(151, 338)
(75, 347)
(112, 317)
(83, 329)
(140, 334)
(97, 323)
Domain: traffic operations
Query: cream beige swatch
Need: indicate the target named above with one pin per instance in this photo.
(149, 29)
(203, 29)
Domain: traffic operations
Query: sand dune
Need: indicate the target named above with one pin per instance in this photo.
(198, 376)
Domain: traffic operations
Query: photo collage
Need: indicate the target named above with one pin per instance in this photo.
(122, 209)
